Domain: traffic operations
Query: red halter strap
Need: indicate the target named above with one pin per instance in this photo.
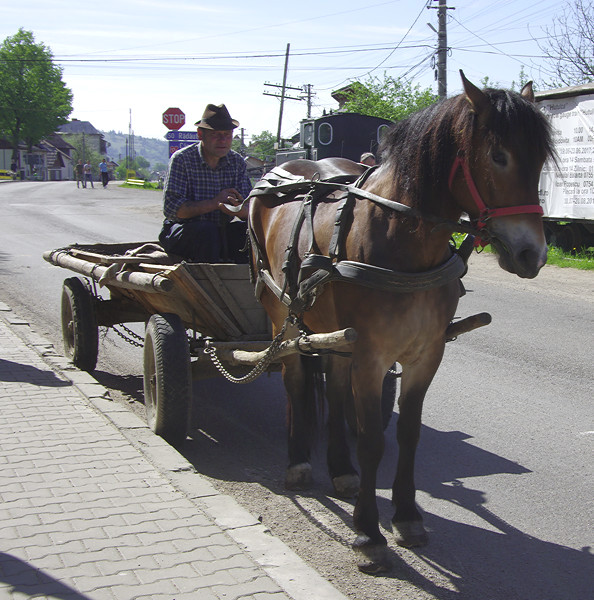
(488, 213)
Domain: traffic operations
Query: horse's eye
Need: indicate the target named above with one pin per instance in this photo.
(499, 158)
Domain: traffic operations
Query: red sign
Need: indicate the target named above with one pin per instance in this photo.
(174, 118)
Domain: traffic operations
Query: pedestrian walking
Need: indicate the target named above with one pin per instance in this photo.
(79, 172)
(104, 172)
(88, 175)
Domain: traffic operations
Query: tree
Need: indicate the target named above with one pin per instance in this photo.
(262, 146)
(34, 101)
(516, 86)
(142, 162)
(141, 171)
(390, 98)
(568, 45)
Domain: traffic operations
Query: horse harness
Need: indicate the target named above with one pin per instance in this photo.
(303, 280)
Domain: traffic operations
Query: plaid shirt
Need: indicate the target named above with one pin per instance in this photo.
(189, 177)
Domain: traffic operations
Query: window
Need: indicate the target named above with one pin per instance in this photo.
(308, 135)
(325, 134)
(381, 132)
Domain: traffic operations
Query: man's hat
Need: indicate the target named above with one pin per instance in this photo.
(217, 118)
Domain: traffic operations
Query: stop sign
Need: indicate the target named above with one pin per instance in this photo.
(174, 118)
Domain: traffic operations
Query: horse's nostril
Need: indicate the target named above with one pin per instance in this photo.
(528, 262)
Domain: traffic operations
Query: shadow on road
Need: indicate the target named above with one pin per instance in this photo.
(240, 436)
(22, 578)
(12, 372)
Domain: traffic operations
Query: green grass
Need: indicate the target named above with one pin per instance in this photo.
(148, 185)
(582, 259)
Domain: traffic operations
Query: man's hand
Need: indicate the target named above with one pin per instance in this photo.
(228, 201)
(231, 202)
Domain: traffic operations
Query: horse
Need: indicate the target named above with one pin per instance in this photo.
(478, 153)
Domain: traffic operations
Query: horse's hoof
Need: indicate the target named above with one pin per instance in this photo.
(299, 477)
(346, 486)
(411, 534)
(371, 558)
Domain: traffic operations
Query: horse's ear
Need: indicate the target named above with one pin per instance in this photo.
(477, 98)
(527, 92)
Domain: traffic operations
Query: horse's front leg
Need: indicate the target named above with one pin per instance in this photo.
(301, 376)
(370, 545)
(407, 519)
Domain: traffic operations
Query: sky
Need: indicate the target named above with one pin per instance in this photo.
(128, 61)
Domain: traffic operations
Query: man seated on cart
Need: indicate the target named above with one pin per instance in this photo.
(203, 182)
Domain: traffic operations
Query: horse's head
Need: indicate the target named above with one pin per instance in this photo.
(502, 149)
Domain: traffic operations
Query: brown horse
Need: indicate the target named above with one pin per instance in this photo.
(478, 153)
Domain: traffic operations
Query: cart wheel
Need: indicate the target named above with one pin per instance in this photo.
(79, 324)
(389, 388)
(167, 378)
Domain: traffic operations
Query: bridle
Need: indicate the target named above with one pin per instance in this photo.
(486, 213)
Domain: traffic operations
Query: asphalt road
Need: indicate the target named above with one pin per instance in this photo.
(505, 461)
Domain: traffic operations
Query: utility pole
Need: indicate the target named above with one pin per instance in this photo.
(442, 47)
(284, 87)
(131, 153)
(307, 90)
(282, 98)
(306, 94)
(242, 152)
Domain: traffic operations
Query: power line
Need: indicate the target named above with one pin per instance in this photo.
(272, 26)
(210, 57)
(398, 45)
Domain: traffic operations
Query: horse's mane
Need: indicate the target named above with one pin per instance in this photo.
(420, 150)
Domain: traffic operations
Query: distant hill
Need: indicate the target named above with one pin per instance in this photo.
(153, 149)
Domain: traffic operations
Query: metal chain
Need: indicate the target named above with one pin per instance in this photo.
(131, 337)
(260, 367)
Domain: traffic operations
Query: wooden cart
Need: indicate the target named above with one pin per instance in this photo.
(202, 320)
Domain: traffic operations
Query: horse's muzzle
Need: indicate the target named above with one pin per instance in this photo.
(525, 261)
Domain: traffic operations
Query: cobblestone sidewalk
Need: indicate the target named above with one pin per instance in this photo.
(94, 506)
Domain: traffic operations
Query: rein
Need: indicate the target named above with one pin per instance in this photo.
(486, 213)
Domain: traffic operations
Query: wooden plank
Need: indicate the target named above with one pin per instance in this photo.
(236, 280)
(227, 298)
(205, 307)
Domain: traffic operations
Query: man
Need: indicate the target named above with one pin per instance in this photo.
(79, 174)
(88, 174)
(204, 182)
(103, 171)
(368, 159)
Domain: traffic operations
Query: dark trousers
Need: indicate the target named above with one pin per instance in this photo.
(104, 178)
(205, 241)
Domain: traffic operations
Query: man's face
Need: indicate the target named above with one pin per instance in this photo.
(215, 143)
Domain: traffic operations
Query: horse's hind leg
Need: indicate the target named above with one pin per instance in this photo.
(301, 376)
(338, 391)
(407, 519)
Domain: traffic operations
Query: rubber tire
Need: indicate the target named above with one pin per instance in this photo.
(567, 237)
(167, 378)
(79, 324)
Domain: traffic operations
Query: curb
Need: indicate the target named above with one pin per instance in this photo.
(285, 567)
